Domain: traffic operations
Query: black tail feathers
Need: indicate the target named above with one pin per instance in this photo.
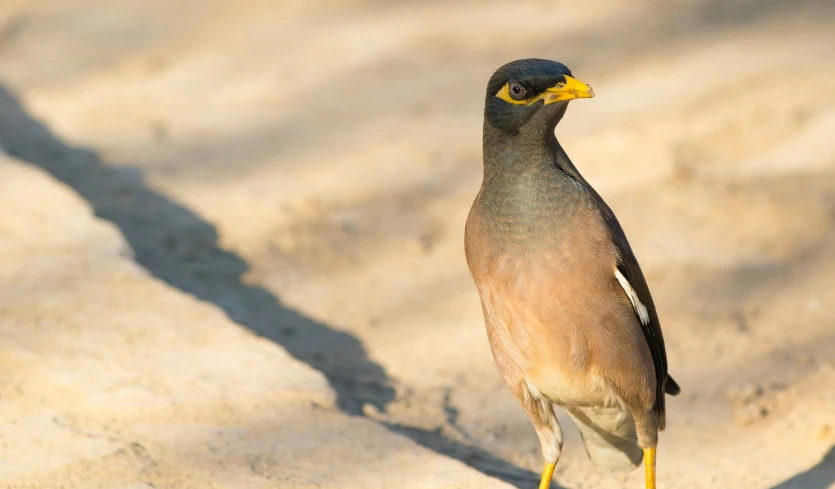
(672, 387)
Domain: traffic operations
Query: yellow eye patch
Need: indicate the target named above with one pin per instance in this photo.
(570, 89)
(504, 94)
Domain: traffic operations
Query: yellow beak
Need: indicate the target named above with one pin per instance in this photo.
(571, 89)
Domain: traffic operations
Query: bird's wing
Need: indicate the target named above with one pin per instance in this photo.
(631, 279)
(635, 286)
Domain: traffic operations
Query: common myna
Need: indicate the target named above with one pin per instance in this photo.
(569, 316)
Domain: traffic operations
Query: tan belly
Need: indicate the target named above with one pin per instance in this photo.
(576, 351)
(585, 389)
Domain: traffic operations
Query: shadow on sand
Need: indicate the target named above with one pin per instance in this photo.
(821, 476)
(179, 247)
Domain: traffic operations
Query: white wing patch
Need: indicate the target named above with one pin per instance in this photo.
(640, 309)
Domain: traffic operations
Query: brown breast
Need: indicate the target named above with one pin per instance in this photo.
(554, 312)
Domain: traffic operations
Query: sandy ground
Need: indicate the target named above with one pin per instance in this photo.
(274, 293)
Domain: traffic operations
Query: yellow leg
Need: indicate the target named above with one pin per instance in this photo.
(649, 466)
(547, 473)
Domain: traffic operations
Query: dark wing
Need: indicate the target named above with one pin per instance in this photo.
(651, 327)
(628, 266)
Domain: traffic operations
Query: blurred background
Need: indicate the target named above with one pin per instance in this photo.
(231, 248)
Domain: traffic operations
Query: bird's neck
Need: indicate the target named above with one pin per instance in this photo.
(529, 185)
(529, 153)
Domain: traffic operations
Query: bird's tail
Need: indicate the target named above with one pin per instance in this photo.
(610, 437)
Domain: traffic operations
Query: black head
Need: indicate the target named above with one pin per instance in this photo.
(533, 91)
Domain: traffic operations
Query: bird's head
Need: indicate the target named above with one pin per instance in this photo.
(531, 95)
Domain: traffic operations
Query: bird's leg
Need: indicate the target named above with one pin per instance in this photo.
(550, 436)
(544, 419)
(649, 467)
(646, 427)
(547, 473)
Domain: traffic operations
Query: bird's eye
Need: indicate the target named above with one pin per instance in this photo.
(517, 91)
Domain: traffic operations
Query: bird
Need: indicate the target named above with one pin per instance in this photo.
(568, 313)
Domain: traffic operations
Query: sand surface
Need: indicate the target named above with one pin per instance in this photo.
(231, 244)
